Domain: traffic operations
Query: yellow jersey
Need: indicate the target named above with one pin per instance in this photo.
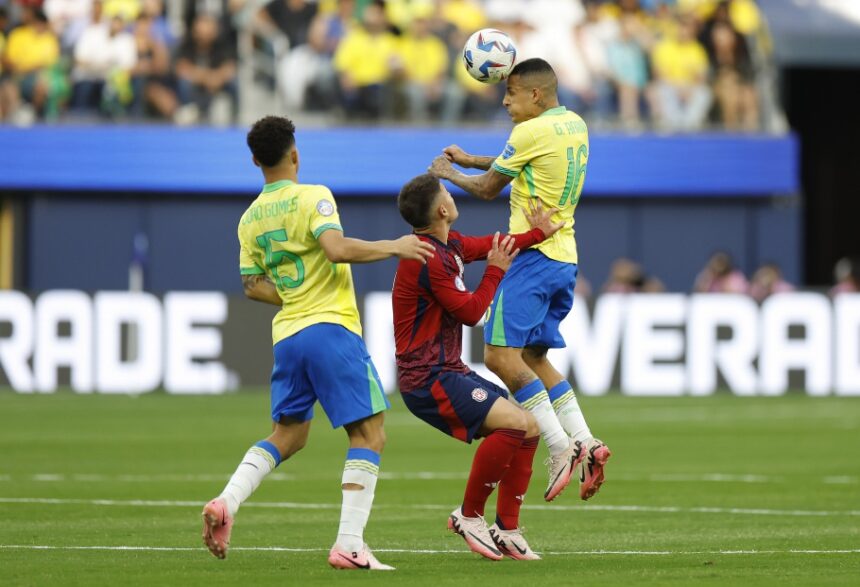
(366, 58)
(278, 237)
(547, 157)
(29, 50)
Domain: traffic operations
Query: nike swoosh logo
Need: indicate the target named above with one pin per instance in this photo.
(352, 562)
(520, 550)
(491, 548)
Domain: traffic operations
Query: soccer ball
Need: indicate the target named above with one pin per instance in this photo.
(489, 56)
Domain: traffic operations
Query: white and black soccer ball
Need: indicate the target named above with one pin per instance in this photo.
(489, 55)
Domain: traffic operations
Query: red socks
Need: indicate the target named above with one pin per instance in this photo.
(491, 461)
(514, 485)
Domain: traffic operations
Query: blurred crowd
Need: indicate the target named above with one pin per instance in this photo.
(721, 275)
(668, 64)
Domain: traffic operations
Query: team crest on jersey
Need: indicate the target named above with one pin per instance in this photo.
(479, 394)
(458, 283)
(325, 207)
(459, 264)
(509, 151)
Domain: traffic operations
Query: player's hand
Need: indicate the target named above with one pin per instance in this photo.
(455, 154)
(412, 247)
(441, 167)
(503, 253)
(540, 217)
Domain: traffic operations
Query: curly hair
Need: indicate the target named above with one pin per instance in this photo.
(416, 199)
(270, 138)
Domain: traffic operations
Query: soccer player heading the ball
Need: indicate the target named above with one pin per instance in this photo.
(431, 304)
(545, 157)
(293, 255)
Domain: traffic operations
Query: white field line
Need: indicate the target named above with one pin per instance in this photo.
(426, 551)
(443, 507)
(418, 476)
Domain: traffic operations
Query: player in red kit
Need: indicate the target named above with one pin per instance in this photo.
(431, 304)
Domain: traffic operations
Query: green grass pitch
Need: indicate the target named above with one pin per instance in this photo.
(718, 490)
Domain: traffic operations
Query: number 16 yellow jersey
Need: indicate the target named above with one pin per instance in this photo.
(547, 156)
(278, 237)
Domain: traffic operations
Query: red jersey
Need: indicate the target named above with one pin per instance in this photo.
(431, 304)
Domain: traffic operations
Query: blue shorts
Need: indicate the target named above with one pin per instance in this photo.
(455, 403)
(329, 363)
(534, 297)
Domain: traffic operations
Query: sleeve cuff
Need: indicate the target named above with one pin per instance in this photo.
(251, 271)
(504, 170)
(324, 227)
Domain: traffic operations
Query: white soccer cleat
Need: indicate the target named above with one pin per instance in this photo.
(474, 531)
(362, 561)
(591, 465)
(512, 543)
(561, 469)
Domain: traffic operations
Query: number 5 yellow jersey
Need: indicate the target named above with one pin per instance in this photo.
(278, 238)
(547, 157)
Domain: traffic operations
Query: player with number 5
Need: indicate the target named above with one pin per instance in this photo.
(293, 255)
(545, 158)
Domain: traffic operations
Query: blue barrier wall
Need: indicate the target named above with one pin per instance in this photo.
(667, 202)
(368, 161)
(86, 243)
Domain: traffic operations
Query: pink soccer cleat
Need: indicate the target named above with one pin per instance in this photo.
(217, 525)
(561, 469)
(512, 544)
(364, 560)
(474, 531)
(591, 466)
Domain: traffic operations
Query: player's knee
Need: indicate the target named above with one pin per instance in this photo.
(496, 359)
(533, 355)
(519, 420)
(531, 424)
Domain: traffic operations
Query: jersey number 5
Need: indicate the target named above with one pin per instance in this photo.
(275, 259)
(575, 173)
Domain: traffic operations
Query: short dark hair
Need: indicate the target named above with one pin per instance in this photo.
(416, 198)
(536, 67)
(270, 138)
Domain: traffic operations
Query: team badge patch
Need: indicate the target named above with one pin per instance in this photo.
(509, 151)
(458, 283)
(459, 264)
(325, 207)
(479, 394)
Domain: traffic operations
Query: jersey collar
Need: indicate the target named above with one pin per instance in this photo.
(554, 111)
(276, 185)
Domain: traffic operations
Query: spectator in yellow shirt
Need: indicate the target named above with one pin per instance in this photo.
(31, 50)
(365, 61)
(425, 62)
(681, 69)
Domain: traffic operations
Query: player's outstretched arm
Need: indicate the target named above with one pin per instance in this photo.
(539, 218)
(455, 154)
(341, 249)
(260, 288)
(486, 186)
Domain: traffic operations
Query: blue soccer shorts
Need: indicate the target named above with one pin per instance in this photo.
(533, 298)
(455, 403)
(329, 363)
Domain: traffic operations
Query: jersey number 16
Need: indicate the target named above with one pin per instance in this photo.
(575, 173)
